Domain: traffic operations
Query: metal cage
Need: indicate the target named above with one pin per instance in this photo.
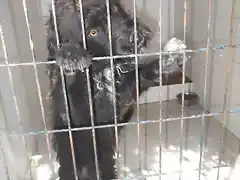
(24, 122)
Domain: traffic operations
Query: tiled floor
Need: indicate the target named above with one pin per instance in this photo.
(149, 142)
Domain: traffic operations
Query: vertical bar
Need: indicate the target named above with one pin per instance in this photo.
(89, 93)
(38, 83)
(113, 82)
(166, 111)
(4, 160)
(238, 146)
(64, 93)
(125, 151)
(13, 89)
(146, 143)
(228, 83)
(183, 83)
(55, 22)
(82, 24)
(137, 80)
(160, 90)
(69, 124)
(186, 134)
(145, 125)
(202, 134)
(92, 123)
(4, 119)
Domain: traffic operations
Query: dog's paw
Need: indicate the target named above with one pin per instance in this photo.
(73, 58)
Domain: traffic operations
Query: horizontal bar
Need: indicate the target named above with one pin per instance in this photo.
(234, 111)
(220, 47)
(165, 174)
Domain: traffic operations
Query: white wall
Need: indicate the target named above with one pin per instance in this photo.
(221, 16)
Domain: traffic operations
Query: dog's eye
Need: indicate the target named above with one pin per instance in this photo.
(93, 33)
(114, 9)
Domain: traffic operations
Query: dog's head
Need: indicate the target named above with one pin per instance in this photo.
(122, 29)
(96, 27)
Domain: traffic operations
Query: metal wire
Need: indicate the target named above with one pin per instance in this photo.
(13, 89)
(4, 119)
(154, 175)
(90, 98)
(145, 133)
(225, 112)
(202, 134)
(160, 90)
(38, 83)
(119, 124)
(125, 151)
(82, 24)
(92, 123)
(65, 93)
(2, 157)
(69, 124)
(166, 124)
(146, 145)
(113, 83)
(183, 83)
(220, 47)
(55, 23)
(145, 154)
(137, 80)
(144, 4)
(228, 85)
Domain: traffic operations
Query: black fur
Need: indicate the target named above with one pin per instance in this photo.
(74, 60)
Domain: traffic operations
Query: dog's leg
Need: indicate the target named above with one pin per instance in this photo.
(106, 152)
(74, 60)
(64, 156)
(84, 155)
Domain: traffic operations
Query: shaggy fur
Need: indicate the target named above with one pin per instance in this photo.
(74, 60)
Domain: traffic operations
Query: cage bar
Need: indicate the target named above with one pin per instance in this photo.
(120, 124)
(160, 89)
(204, 49)
(137, 80)
(209, 48)
(183, 82)
(90, 96)
(64, 93)
(4, 160)
(227, 88)
(209, 45)
(92, 123)
(113, 83)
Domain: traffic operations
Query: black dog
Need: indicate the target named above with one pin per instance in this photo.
(74, 60)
